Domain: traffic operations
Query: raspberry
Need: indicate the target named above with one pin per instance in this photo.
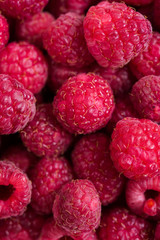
(157, 232)
(17, 105)
(25, 63)
(115, 33)
(135, 148)
(143, 197)
(91, 160)
(79, 6)
(136, 2)
(47, 178)
(32, 29)
(147, 62)
(84, 103)
(22, 8)
(4, 32)
(119, 223)
(145, 97)
(65, 43)
(15, 190)
(156, 11)
(77, 208)
(44, 136)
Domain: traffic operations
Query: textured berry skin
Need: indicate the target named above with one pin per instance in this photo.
(44, 136)
(91, 160)
(31, 29)
(17, 105)
(138, 199)
(22, 8)
(136, 2)
(147, 62)
(115, 33)
(25, 63)
(84, 103)
(4, 32)
(119, 223)
(157, 232)
(65, 43)
(145, 96)
(120, 80)
(156, 11)
(47, 178)
(135, 148)
(15, 190)
(77, 207)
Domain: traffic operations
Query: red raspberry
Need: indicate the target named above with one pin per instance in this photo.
(84, 103)
(65, 43)
(25, 63)
(156, 13)
(115, 33)
(17, 105)
(91, 160)
(145, 97)
(77, 208)
(4, 32)
(44, 136)
(136, 2)
(22, 8)
(147, 62)
(32, 29)
(15, 190)
(135, 148)
(157, 232)
(47, 178)
(119, 223)
(143, 197)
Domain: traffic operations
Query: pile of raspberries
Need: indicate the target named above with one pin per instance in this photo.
(79, 120)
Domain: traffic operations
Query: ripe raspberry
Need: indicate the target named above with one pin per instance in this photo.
(91, 160)
(31, 29)
(147, 62)
(157, 232)
(136, 2)
(65, 43)
(143, 197)
(156, 13)
(79, 6)
(4, 32)
(17, 105)
(15, 190)
(119, 223)
(23, 8)
(25, 63)
(145, 97)
(47, 178)
(84, 103)
(135, 148)
(44, 136)
(120, 80)
(77, 208)
(115, 33)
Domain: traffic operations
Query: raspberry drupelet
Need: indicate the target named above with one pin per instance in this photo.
(65, 43)
(31, 29)
(135, 148)
(115, 33)
(48, 176)
(147, 62)
(77, 207)
(143, 197)
(23, 8)
(26, 63)
(44, 136)
(15, 190)
(4, 32)
(119, 223)
(84, 103)
(91, 160)
(145, 97)
(17, 105)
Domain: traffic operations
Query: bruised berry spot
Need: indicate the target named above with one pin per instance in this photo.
(6, 191)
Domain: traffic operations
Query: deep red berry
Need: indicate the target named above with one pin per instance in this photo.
(31, 29)
(84, 103)
(65, 43)
(4, 32)
(25, 63)
(48, 176)
(136, 2)
(44, 136)
(17, 105)
(15, 190)
(91, 160)
(135, 148)
(77, 208)
(115, 33)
